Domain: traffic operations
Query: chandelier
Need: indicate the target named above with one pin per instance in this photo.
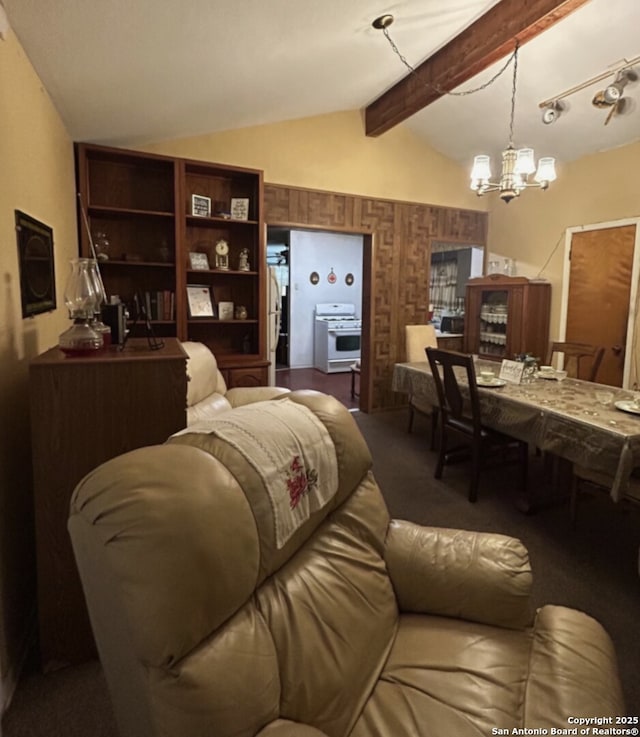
(517, 164)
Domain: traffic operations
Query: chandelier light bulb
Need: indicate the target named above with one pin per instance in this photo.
(481, 168)
(525, 163)
(546, 171)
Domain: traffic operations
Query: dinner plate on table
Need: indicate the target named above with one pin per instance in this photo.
(627, 405)
(492, 383)
(546, 375)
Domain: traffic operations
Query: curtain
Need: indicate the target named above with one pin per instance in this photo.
(444, 284)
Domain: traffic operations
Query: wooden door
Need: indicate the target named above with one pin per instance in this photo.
(599, 294)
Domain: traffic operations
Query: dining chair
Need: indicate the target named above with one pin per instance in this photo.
(417, 338)
(461, 420)
(581, 360)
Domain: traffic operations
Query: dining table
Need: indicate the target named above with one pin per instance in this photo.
(593, 425)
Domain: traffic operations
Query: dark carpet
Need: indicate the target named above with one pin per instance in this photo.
(592, 567)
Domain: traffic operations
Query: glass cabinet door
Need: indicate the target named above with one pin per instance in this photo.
(494, 317)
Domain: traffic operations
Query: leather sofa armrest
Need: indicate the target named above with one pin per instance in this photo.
(482, 577)
(242, 395)
(287, 728)
(207, 408)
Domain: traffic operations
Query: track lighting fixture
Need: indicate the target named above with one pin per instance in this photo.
(610, 96)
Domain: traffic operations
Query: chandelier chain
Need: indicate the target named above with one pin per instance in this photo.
(513, 92)
(438, 89)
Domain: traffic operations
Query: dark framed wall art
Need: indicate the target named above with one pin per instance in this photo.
(37, 274)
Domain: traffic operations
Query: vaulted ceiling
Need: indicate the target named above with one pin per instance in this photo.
(130, 73)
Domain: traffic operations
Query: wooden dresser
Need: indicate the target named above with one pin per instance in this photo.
(85, 411)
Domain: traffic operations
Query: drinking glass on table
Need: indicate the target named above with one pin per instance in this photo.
(604, 397)
(530, 369)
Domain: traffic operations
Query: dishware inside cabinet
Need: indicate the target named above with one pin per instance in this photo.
(494, 316)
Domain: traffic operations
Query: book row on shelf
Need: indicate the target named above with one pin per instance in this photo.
(158, 305)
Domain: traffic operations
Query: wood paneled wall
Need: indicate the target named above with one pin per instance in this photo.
(398, 268)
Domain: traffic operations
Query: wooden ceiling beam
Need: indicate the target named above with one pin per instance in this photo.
(484, 42)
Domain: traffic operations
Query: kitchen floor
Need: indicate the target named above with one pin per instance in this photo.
(337, 385)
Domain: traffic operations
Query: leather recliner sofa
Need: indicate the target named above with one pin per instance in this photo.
(216, 613)
(207, 393)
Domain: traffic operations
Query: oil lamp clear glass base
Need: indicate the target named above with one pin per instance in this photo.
(80, 339)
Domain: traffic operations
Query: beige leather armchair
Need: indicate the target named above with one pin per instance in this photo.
(219, 611)
(207, 392)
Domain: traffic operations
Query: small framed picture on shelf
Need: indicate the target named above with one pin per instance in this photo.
(226, 310)
(201, 205)
(198, 261)
(199, 300)
(240, 208)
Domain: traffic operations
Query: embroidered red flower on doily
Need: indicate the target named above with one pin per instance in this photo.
(299, 482)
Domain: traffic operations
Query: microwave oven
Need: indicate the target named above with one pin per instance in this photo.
(452, 324)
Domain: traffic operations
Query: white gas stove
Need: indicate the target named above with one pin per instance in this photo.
(337, 337)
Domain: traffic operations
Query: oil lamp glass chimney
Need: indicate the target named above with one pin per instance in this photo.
(80, 297)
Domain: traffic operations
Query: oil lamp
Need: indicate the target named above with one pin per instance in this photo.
(80, 297)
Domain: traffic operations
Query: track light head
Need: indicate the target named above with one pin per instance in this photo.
(613, 92)
(551, 113)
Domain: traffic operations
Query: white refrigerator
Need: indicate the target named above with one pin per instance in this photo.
(274, 308)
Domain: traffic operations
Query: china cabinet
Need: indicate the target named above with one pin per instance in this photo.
(148, 215)
(506, 316)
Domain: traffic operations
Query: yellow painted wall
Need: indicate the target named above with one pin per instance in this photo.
(331, 152)
(600, 188)
(36, 177)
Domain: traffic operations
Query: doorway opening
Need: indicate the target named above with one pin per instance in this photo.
(315, 268)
